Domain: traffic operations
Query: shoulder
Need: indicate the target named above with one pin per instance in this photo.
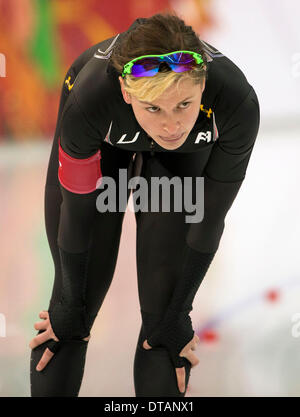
(96, 84)
(96, 79)
(226, 85)
(88, 108)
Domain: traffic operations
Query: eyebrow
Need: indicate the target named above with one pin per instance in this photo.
(154, 105)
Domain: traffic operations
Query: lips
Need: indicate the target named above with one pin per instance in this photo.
(171, 138)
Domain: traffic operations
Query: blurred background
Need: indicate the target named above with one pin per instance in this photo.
(247, 310)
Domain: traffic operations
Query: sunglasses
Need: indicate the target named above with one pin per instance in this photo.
(149, 65)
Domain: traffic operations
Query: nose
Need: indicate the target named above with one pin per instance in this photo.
(171, 127)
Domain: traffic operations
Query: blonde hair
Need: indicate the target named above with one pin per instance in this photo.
(150, 88)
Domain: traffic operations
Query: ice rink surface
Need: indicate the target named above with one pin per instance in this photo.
(245, 311)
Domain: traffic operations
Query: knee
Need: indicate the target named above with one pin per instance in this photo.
(63, 375)
(70, 322)
(155, 375)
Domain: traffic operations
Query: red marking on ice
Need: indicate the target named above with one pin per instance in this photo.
(209, 336)
(272, 295)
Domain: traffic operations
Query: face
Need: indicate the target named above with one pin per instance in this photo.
(171, 117)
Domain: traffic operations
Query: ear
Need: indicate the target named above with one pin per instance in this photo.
(126, 96)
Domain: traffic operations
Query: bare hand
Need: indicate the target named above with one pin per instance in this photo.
(43, 337)
(187, 353)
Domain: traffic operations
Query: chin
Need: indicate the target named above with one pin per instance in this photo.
(171, 146)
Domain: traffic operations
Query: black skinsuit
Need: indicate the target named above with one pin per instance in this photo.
(92, 116)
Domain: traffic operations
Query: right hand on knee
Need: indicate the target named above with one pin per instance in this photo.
(47, 334)
(176, 334)
(174, 331)
(186, 353)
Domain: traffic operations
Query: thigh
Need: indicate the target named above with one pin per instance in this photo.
(160, 247)
(161, 236)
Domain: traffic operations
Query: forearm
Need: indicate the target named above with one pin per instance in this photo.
(74, 240)
(68, 317)
(77, 216)
(202, 242)
(175, 327)
(194, 269)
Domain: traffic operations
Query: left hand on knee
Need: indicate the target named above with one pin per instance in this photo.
(43, 337)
